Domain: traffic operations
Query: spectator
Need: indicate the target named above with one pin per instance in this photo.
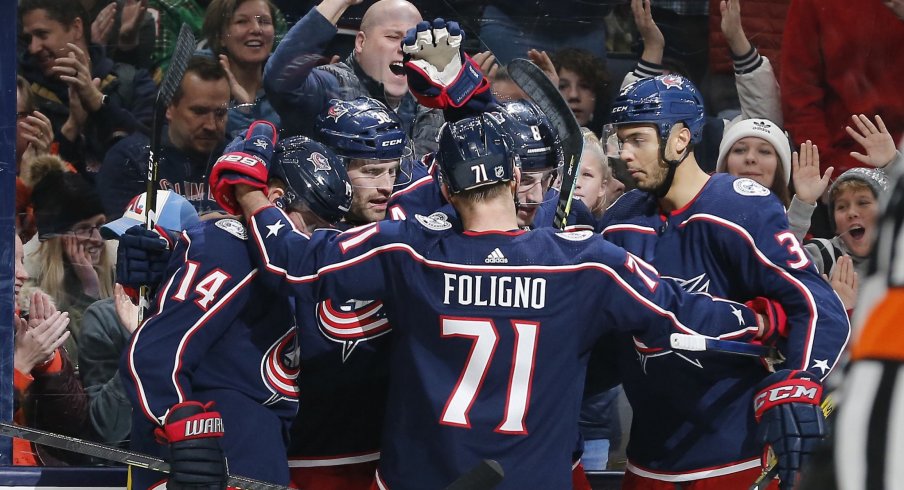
(584, 82)
(109, 323)
(512, 27)
(171, 14)
(840, 58)
(596, 185)
(300, 91)
(765, 20)
(34, 136)
(759, 150)
(872, 405)
(240, 33)
(91, 101)
(69, 261)
(755, 80)
(855, 196)
(193, 138)
(124, 29)
(685, 27)
(48, 394)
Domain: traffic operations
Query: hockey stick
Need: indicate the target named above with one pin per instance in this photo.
(115, 454)
(770, 472)
(699, 343)
(771, 354)
(484, 476)
(533, 81)
(185, 46)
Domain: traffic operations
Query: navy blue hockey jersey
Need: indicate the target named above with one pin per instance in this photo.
(693, 415)
(217, 335)
(423, 197)
(491, 333)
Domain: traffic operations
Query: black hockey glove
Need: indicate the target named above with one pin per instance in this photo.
(196, 460)
(791, 421)
(142, 256)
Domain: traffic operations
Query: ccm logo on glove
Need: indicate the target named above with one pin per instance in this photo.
(790, 391)
(249, 160)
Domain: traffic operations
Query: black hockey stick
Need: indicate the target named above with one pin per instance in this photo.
(534, 82)
(185, 46)
(698, 343)
(115, 454)
(484, 476)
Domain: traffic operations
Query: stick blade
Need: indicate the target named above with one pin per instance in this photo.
(533, 81)
(484, 476)
(185, 47)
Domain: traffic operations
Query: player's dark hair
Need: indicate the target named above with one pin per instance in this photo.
(206, 68)
(217, 18)
(63, 11)
(590, 68)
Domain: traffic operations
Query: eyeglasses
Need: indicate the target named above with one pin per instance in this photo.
(85, 232)
(22, 115)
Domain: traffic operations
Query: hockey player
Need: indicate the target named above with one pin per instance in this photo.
(376, 151)
(213, 371)
(489, 349)
(702, 422)
(538, 155)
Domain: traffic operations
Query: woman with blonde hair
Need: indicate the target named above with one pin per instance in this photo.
(69, 260)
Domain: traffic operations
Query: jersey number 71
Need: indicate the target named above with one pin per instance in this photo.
(485, 338)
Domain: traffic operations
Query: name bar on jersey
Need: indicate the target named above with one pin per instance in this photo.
(504, 291)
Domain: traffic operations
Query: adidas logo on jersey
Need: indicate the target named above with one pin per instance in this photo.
(496, 257)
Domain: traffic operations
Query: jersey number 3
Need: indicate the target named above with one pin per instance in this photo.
(485, 337)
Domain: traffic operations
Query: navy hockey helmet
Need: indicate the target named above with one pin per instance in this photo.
(314, 175)
(362, 128)
(475, 152)
(534, 141)
(663, 101)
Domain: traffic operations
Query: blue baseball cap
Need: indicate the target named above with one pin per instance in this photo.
(174, 213)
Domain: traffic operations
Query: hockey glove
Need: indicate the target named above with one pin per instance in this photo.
(196, 460)
(142, 256)
(776, 326)
(440, 74)
(245, 161)
(791, 421)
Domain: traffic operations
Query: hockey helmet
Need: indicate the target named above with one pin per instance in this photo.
(663, 101)
(475, 152)
(362, 128)
(535, 142)
(314, 175)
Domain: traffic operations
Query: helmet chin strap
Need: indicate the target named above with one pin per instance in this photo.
(662, 189)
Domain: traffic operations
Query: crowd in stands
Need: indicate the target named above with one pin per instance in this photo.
(811, 112)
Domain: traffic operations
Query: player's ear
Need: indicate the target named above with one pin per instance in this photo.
(516, 180)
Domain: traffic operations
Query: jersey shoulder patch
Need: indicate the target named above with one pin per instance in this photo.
(436, 221)
(575, 236)
(233, 227)
(749, 187)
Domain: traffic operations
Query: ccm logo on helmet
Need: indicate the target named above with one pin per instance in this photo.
(806, 394)
(391, 142)
(239, 158)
